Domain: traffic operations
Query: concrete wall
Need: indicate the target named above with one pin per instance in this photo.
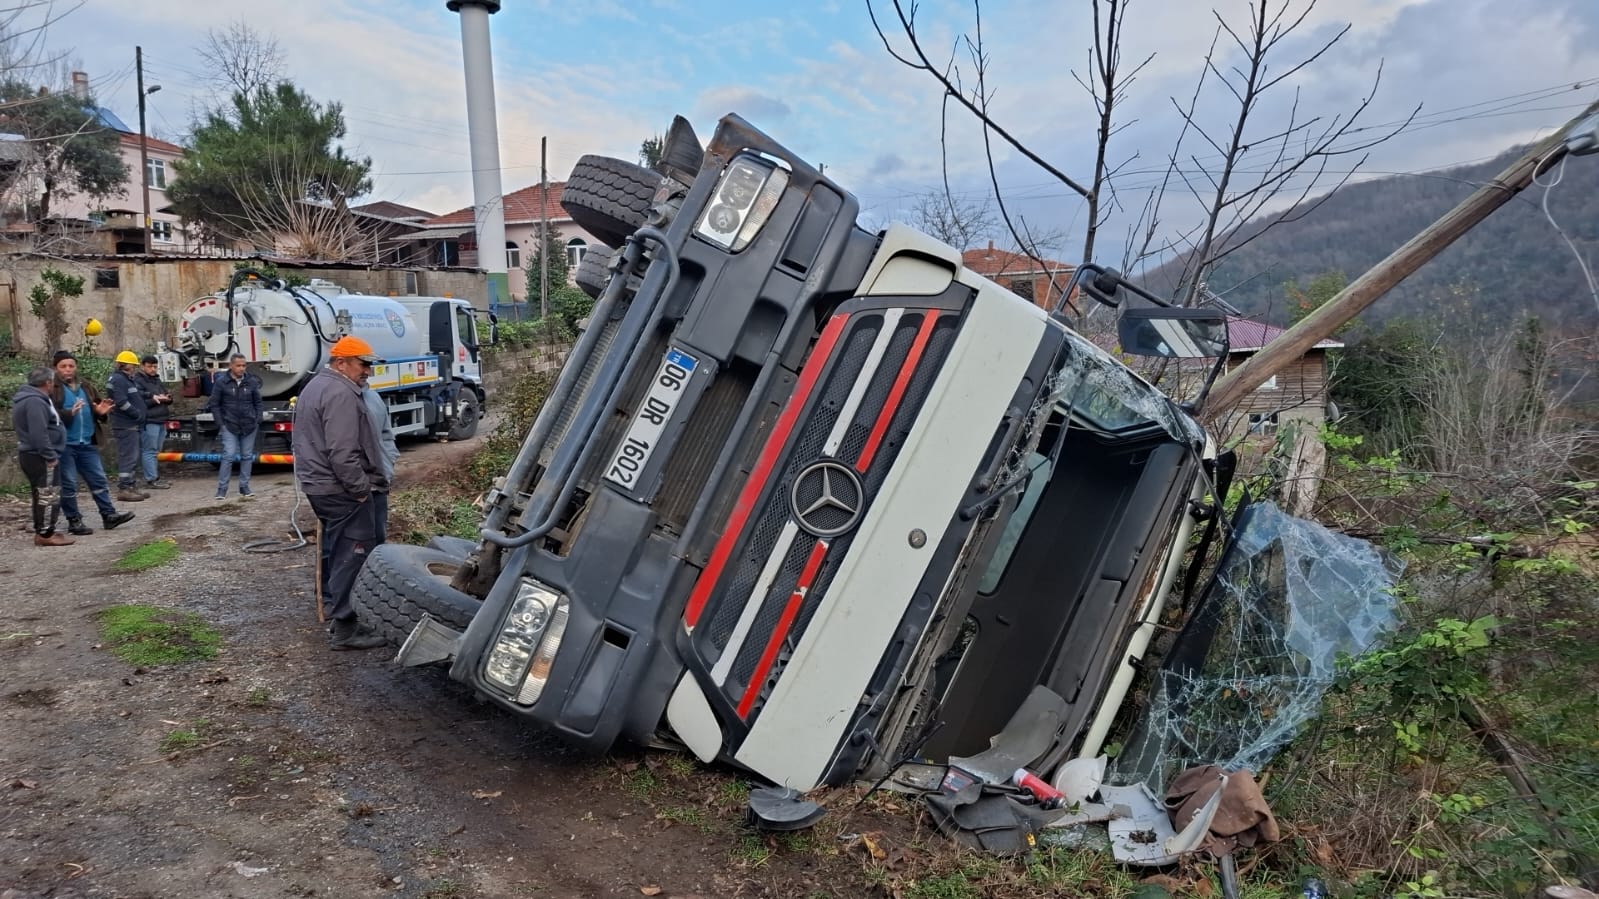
(152, 294)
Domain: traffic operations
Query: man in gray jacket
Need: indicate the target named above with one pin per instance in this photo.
(377, 412)
(41, 439)
(339, 465)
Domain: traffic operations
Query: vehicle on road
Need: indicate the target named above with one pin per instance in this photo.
(431, 374)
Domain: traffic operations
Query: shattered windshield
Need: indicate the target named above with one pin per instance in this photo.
(1107, 394)
(1252, 664)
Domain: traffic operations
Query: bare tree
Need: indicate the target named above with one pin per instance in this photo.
(240, 59)
(1290, 157)
(1108, 88)
(953, 79)
(1249, 170)
(961, 223)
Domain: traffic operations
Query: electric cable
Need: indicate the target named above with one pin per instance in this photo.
(273, 545)
(1582, 263)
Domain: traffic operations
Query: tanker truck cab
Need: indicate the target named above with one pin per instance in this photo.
(452, 331)
(803, 489)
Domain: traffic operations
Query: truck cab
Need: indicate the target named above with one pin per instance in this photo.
(805, 488)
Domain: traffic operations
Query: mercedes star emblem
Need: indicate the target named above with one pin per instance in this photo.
(827, 498)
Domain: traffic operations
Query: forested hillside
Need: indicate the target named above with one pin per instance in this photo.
(1514, 260)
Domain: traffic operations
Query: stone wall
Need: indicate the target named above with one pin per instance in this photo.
(151, 293)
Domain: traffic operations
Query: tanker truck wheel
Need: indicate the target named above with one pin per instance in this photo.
(400, 582)
(609, 198)
(467, 415)
(591, 274)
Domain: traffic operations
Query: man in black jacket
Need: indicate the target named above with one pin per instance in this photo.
(40, 442)
(158, 408)
(235, 406)
(127, 421)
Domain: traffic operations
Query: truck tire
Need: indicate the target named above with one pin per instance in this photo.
(467, 415)
(400, 582)
(591, 272)
(609, 198)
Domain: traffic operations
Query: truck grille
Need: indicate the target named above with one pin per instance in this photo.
(899, 380)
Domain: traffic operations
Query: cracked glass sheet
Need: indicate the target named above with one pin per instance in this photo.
(1249, 670)
(1098, 387)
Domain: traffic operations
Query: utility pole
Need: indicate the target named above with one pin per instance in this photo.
(544, 230)
(144, 149)
(1382, 277)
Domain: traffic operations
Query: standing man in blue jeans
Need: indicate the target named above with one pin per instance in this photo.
(81, 409)
(235, 406)
(158, 408)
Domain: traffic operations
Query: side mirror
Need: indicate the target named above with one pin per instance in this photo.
(1173, 333)
(494, 329)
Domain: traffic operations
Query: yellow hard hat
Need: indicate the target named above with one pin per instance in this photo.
(126, 357)
(92, 328)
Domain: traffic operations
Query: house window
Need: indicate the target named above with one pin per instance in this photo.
(161, 231)
(1264, 423)
(1269, 384)
(155, 173)
(1022, 287)
(107, 278)
(513, 255)
(575, 248)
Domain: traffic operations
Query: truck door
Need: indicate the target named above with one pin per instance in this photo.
(468, 359)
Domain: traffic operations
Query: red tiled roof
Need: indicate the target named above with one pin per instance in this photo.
(132, 140)
(392, 210)
(989, 262)
(521, 207)
(1248, 335)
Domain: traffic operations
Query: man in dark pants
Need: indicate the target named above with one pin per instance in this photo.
(81, 410)
(127, 423)
(158, 408)
(339, 465)
(41, 438)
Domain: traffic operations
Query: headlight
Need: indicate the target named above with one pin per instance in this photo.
(520, 634)
(539, 674)
(742, 202)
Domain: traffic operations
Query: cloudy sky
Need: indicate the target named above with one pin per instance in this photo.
(601, 75)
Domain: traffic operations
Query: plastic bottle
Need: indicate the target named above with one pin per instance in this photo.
(1313, 889)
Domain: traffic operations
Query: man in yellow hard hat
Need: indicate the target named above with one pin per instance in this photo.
(339, 465)
(127, 422)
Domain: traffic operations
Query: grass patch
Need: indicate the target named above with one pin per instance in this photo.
(185, 738)
(148, 635)
(443, 888)
(147, 556)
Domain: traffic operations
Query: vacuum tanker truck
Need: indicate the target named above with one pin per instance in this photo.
(430, 375)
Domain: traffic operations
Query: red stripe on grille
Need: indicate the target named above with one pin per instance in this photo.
(763, 470)
(897, 392)
(774, 643)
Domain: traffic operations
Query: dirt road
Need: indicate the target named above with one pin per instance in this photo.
(284, 769)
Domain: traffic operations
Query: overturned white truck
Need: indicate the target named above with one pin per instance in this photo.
(804, 490)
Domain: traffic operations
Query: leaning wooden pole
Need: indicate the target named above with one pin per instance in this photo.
(1382, 277)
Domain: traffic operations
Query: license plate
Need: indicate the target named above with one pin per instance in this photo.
(671, 379)
(180, 436)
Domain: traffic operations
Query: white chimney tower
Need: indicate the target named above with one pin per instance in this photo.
(488, 206)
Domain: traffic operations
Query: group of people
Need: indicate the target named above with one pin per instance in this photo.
(343, 445)
(58, 419)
